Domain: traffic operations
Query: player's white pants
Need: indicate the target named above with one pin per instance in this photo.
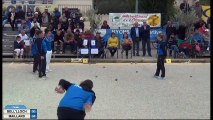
(19, 52)
(48, 58)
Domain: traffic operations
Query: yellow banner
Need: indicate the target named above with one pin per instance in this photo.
(206, 12)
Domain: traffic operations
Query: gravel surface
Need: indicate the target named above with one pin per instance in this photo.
(123, 90)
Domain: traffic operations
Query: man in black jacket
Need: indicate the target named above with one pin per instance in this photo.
(11, 18)
(39, 51)
(145, 35)
(170, 30)
(136, 36)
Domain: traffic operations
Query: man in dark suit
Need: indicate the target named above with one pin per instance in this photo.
(145, 35)
(135, 35)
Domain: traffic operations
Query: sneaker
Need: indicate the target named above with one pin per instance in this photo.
(161, 78)
(44, 77)
(207, 49)
(155, 76)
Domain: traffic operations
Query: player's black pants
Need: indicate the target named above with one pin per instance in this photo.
(40, 64)
(160, 66)
(65, 113)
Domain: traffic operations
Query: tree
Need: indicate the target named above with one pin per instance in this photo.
(95, 20)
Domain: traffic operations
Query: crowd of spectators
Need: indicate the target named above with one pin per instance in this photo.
(67, 29)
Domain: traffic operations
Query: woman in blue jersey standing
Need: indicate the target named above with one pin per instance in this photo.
(77, 100)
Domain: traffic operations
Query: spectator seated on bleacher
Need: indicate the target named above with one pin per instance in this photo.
(198, 37)
(25, 27)
(99, 43)
(81, 23)
(172, 45)
(112, 44)
(80, 41)
(126, 44)
(185, 47)
(33, 30)
(19, 17)
(69, 40)
(29, 14)
(58, 42)
(38, 19)
(23, 35)
(45, 20)
(47, 13)
(35, 22)
(78, 29)
(19, 47)
(105, 25)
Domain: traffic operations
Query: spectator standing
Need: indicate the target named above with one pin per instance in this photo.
(48, 40)
(126, 44)
(105, 25)
(145, 35)
(198, 9)
(112, 44)
(67, 13)
(47, 13)
(39, 50)
(57, 14)
(161, 53)
(136, 36)
(19, 47)
(11, 18)
(184, 7)
(77, 100)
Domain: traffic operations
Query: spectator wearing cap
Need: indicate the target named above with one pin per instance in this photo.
(105, 25)
(99, 43)
(19, 47)
(57, 14)
(29, 14)
(112, 44)
(81, 23)
(19, 17)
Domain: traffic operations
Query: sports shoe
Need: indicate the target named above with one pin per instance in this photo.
(155, 76)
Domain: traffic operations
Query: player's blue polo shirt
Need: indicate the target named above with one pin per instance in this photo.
(75, 97)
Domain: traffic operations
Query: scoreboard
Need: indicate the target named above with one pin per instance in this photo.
(19, 112)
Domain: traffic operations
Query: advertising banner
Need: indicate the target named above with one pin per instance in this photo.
(206, 12)
(127, 20)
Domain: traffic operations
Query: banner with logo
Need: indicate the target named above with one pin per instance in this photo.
(206, 12)
(106, 33)
(127, 20)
